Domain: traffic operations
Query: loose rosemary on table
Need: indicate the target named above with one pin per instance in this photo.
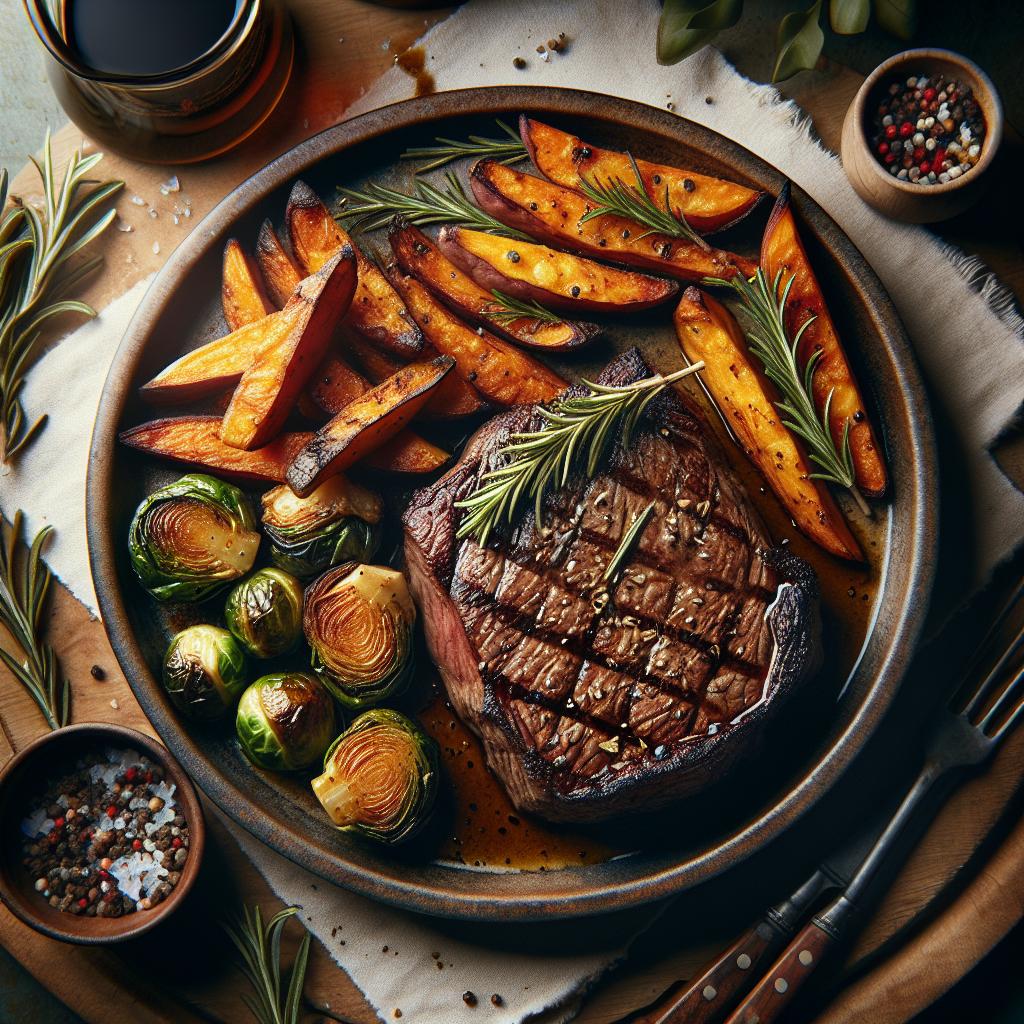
(506, 310)
(24, 584)
(35, 247)
(375, 205)
(764, 307)
(260, 950)
(632, 201)
(508, 150)
(575, 429)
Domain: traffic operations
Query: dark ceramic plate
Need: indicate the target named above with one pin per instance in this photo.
(807, 749)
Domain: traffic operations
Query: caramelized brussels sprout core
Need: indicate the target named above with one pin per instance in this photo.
(264, 612)
(359, 623)
(192, 538)
(338, 522)
(380, 777)
(204, 671)
(285, 721)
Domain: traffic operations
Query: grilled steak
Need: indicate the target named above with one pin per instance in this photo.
(593, 699)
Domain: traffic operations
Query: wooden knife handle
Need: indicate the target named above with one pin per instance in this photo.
(707, 999)
(771, 994)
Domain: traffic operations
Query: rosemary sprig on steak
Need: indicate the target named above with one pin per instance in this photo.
(508, 150)
(575, 430)
(764, 306)
(629, 538)
(632, 201)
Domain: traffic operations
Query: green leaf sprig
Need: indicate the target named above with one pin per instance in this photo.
(615, 197)
(260, 950)
(764, 308)
(24, 584)
(507, 150)
(505, 310)
(798, 42)
(374, 207)
(687, 26)
(575, 429)
(35, 247)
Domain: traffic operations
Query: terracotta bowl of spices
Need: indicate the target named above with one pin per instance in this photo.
(920, 135)
(101, 834)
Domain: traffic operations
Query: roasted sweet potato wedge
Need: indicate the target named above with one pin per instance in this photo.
(557, 279)
(709, 204)
(553, 214)
(502, 373)
(781, 249)
(271, 385)
(746, 398)
(280, 272)
(377, 312)
(365, 424)
(453, 398)
(242, 294)
(195, 441)
(417, 255)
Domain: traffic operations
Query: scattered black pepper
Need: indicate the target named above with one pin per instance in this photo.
(496, 1000)
(469, 998)
(518, 63)
(97, 673)
(688, 184)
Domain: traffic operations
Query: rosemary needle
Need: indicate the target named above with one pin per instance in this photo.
(508, 150)
(507, 309)
(629, 538)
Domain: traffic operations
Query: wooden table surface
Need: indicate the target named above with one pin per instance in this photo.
(957, 895)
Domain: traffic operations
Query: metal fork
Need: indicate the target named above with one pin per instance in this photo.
(979, 717)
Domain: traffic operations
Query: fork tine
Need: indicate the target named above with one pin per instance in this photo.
(1008, 695)
(982, 690)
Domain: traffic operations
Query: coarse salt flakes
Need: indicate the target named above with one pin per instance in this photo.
(170, 185)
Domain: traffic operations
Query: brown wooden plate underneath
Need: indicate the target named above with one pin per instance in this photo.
(481, 860)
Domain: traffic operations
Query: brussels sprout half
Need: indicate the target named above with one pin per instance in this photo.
(285, 721)
(380, 777)
(192, 538)
(264, 612)
(359, 623)
(338, 522)
(204, 671)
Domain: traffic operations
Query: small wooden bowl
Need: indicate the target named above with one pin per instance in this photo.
(17, 889)
(903, 200)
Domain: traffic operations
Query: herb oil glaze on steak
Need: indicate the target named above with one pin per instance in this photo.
(592, 699)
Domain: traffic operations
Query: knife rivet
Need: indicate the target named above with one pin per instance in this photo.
(781, 985)
(710, 992)
(806, 957)
(743, 961)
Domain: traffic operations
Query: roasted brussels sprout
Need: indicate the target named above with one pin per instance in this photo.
(192, 538)
(359, 620)
(380, 777)
(338, 522)
(204, 671)
(285, 721)
(264, 612)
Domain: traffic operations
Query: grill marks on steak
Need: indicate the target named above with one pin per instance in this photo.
(587, 695)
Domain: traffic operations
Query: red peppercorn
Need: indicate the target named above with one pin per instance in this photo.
(136, 844)
(130, 774)
(112, 811)
(937, 157)
(906, 129)
(919, 154)
(890, 131)
(58, 822)
(104, 875)
(883, 148)
(925, 167)
(929, 94)
(890, 158)
(83, 903)
(176, 843)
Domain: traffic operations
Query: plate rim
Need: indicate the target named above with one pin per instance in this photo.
(755, 834)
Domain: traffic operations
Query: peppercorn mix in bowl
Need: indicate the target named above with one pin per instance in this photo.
(102, 834)
(920, 134)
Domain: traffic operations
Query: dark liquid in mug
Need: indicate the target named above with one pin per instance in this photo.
(144, 37)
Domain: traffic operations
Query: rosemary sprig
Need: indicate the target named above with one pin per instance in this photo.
(24, 584)
(573, 428)
(508, 150)
(260, 949)
(374, 206)
(629, 538)
(34, 249)
(633, 202)
(764, 306)
(507, 309)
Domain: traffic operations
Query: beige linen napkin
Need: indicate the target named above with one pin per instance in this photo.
(968, 339)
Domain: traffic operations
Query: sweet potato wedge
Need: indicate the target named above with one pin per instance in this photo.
(365, 424)
(502, 373)
(417, 255)
(453, 398)
(554, 215)
(709, 204)
(195, 441)
(271, 385)
(746, 398)
(377, 312)
(781, 249)
(280, 272)
(557, 279)
(242, 295)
